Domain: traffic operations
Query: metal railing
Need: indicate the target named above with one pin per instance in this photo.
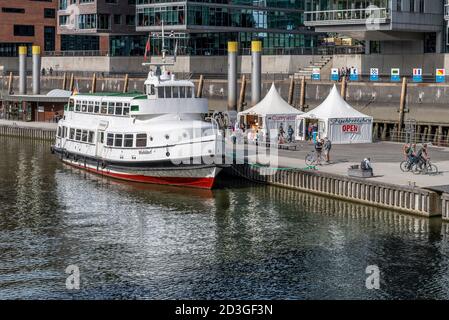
(347, 16)
(76, 53)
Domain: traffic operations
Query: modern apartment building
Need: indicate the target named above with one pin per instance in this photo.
(106, 26)
(203, 27)
(386, 26)
(27, 22)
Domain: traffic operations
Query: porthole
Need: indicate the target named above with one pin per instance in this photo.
(167, 136)
(151, 138)
(167, 154)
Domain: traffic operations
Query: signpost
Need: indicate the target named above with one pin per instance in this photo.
(395, 75)
(440, 75)
(334, 74)
(374, 74)
(316, 74)
(417, 75)
(354, 75)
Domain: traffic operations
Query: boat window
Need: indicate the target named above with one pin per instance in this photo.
(167, 92)
(64, 132)
(152, 90)
(97, 107)
(141, 140)
(118, 108)
(191, 94)
(129, 140)
(182, 92)
(78, 106)
(175, 92)
(91, 137)
(104, 107)
(72, 134)
(78, 135)
(111, 108)
(160, 92)
(110, 141)
(126, 109)
(118, 142)
(59, 132)
(71, 104)
(84, 135)
(90, 107)
(84, 106)
(101, 138)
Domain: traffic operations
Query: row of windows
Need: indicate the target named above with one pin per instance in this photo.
(97, 107)
(48, 12)
(169, 92)
(127, 140)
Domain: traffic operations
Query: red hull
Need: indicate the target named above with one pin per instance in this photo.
(203, 183)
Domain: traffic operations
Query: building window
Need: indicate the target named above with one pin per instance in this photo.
(117, 19)
(412, 5)
(421, 6)
(398, 5)
(23, 30)
(13, 10)
(49, 38)
(130, 20)
(63, 20)
(49, 13)
(79, 42)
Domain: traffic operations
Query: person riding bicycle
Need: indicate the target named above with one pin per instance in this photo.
(422, 156)
(318, 149)
(409, 151)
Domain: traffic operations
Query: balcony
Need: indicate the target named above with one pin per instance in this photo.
(370, 15)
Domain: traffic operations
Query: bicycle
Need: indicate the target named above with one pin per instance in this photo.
(406, 165)
(424, 168)
(312, 158)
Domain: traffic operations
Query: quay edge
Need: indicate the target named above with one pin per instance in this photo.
(411, 200)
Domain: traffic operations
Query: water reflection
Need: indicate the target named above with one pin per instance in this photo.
(250, 241)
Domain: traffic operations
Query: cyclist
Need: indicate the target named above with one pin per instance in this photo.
(318, 149)
(422, 156)
(410, 153)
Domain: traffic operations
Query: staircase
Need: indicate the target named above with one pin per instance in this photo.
(322, 63)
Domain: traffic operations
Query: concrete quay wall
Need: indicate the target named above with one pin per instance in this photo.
(410, 200)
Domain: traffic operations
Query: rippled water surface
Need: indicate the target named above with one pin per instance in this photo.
(151, 242)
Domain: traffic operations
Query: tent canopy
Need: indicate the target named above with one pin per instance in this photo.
(334, 107)
(271, 104)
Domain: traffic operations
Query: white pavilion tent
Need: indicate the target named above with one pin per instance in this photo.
(336, 120)
(271, 112)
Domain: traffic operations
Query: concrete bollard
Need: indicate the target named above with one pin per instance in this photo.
(64, 81)
(72, 82)
(36, 50)
(256, 71)
(232, 75)
(402, 104)
(10, 83)
(23, 69)
(94, 83)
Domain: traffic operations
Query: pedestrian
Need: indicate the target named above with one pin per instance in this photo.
(327, 148)
(290, 133)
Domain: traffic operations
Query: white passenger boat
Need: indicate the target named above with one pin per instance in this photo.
(159, 137)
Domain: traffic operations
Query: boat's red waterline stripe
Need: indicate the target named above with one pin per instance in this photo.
(203, 183)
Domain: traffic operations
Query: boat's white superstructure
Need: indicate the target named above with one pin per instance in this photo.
(156, 137)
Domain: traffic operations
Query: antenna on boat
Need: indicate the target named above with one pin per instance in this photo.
(164, 51)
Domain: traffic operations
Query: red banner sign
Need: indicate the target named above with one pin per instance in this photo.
(350, 128)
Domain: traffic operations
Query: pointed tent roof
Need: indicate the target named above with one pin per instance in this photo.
(272, 103)
(334, 107)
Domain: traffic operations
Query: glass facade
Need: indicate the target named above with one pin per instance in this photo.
(203, 27)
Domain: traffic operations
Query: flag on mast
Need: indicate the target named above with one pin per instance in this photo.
(147, 49)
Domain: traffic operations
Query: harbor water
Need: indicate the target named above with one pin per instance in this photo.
(238, 241)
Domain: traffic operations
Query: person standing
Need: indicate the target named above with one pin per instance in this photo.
(290, 133)
(327, 148)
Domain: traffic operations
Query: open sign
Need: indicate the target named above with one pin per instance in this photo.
(350, 128)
